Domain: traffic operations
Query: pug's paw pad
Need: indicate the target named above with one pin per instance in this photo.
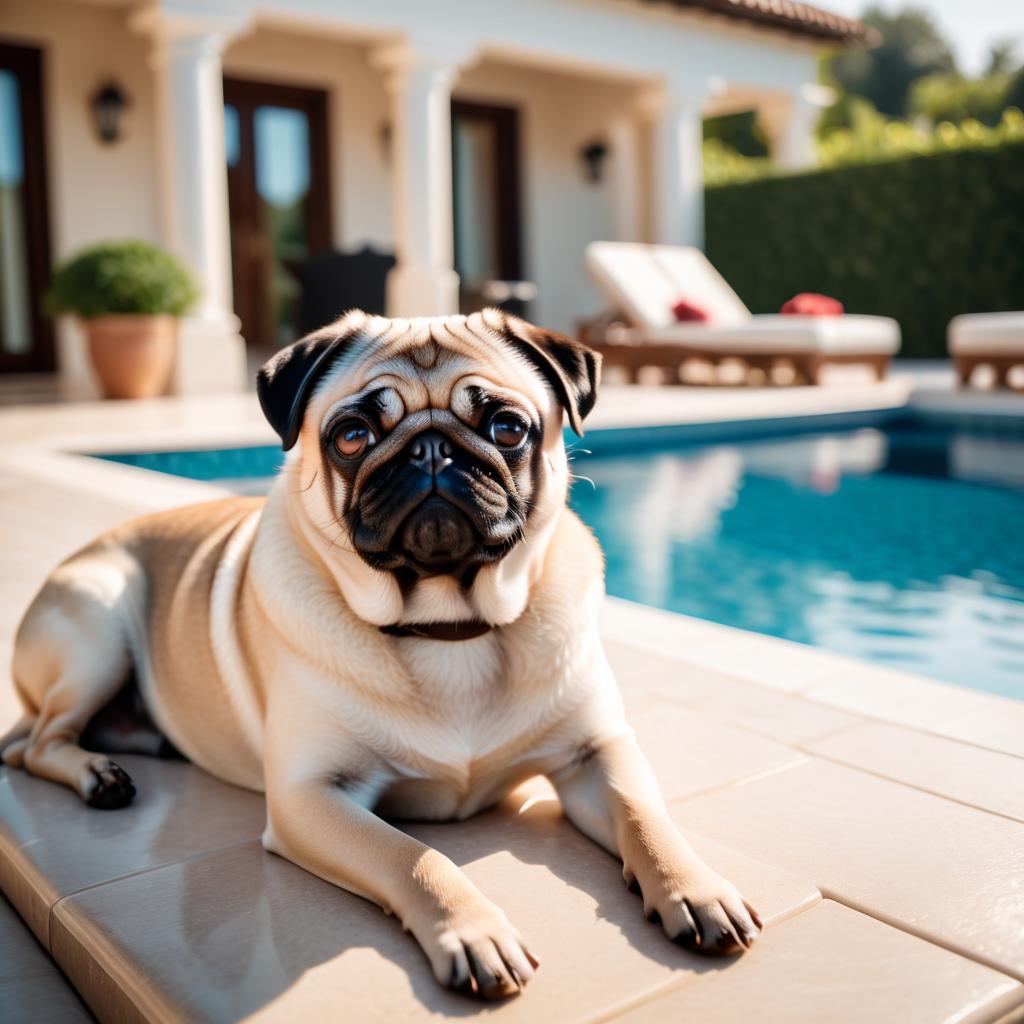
(707, 915)
(481, 955)
(109, 786)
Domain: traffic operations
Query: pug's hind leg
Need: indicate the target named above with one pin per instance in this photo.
(70, 660)
(14, 741)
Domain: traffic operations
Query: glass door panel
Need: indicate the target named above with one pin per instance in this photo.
(485, 200)
(15, 297)
(26, 338)
(476, 202)
(278, 192)
(282, 184)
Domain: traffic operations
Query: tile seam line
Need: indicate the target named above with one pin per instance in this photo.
(924, 730)
(119, 972)
(800, 759)
(806, 693)
(670, 985)
(135, 874)
(999, 1011)
(697, 707)
(1015, 973)
(909, 785)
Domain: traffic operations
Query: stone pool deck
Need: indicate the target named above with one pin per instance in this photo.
(876, 819)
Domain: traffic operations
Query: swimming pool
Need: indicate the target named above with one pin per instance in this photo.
(899, 542)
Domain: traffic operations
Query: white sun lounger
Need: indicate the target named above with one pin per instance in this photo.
(644, 282)
(992, 339)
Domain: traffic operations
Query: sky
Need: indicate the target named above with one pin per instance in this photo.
(970, 26)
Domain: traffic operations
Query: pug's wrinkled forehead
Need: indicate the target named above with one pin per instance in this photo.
(458, 363)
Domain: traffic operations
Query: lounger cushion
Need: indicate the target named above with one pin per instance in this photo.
(824, 335)
(812, 304)
(646, 281)
(986, 333)
(687, 313)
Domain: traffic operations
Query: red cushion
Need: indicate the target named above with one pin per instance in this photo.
(812, 304)
(687, 312)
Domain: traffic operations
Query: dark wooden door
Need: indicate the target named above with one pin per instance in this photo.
(279, 201)
(26, 335)
(485, 182)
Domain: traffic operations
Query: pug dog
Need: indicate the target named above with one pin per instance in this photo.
(406, 627)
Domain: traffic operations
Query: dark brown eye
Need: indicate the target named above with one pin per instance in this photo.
(353, 438)
(506, 430)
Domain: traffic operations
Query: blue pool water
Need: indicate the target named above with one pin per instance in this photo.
(900, 543)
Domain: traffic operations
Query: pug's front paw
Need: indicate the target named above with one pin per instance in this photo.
(476, 950)
(701, 911)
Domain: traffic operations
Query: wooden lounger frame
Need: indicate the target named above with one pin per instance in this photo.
(1001, 363)
(808, 366)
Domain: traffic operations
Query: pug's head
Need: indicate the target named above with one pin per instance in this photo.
(427, 459)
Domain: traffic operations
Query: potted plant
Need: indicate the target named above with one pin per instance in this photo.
(128, 296)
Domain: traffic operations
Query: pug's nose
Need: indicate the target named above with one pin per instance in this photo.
(430, 452)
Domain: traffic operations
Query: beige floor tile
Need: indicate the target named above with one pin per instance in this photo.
(692, 753)
(833, 965)
(998, 727)
(782, 665)
(983, 778)
(761, 709)
(704, 646)
(56, 845)
(32, 989)
(241, 932)
(664, 633)
(643, 671)
(981, 718)
(951, 872)
(780, 716)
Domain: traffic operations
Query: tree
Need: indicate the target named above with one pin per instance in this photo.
(911, 48)
(1002, 58)
(952, 98)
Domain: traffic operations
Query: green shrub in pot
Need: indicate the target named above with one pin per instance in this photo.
(129, 296)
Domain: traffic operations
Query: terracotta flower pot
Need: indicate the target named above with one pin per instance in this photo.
(132, 355)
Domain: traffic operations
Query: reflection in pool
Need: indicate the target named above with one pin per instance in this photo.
(901, 546)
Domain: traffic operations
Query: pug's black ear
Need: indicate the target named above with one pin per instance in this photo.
(285, 382)
(572, 369)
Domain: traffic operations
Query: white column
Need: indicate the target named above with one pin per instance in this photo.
(677, 169)
(625, 178)
(790, 126)
(796, 140)
(424, 282)
(194, 194)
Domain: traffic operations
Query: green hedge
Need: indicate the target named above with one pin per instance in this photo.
(920, 238)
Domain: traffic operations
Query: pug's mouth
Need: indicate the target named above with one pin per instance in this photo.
(436, 535)
(443, 522)
(439, 539)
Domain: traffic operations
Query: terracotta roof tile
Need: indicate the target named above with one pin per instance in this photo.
(785, 14)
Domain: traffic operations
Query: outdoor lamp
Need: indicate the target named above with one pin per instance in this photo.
(108, 106)
(593, 155)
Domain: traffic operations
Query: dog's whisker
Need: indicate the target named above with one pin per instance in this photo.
(302, 490)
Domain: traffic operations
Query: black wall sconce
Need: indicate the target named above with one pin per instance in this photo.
(108, 106)
(593, 155)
